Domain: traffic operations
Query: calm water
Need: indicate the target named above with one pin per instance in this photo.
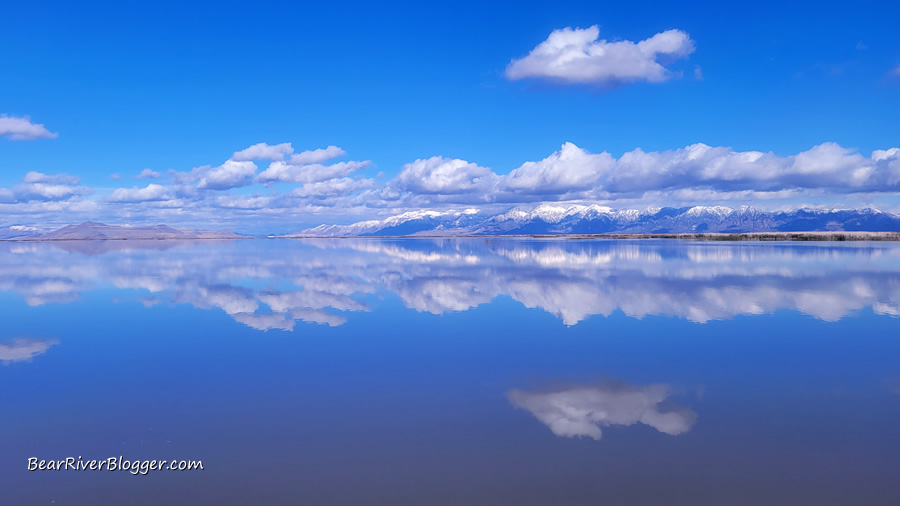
(473, 371)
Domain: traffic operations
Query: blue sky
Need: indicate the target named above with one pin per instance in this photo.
(446, 103)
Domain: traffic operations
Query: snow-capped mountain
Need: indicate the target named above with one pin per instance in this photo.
(408, 223)
(597, 219)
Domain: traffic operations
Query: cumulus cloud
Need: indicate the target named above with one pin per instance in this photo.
(317, 155)
(151, 192)
(576, 56)
(308, 167)
(197, 197)
(58, 199)
(24, 349)
(332, 187)
(438, 175)
(569, 169)
(39, 177)
(263, 151)
(309, 173)
(582, 411)
(148, 174)
(231, 174)
(697, 172)
(22, 129)
(242, 202)
(43, 191)
(239, 170)
(827, 165)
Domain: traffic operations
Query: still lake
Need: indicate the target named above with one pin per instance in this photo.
(457, 371)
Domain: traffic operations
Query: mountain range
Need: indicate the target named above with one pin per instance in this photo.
(92, 230)
(596, 219)
(544, 219)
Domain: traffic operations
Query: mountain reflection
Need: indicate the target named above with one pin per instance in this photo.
(580, 411)
(272, 284)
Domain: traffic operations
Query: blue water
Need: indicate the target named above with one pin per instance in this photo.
(465, 371)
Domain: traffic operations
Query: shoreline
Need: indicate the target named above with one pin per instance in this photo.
(724, 237)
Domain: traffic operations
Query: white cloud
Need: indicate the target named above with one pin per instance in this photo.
(50, 213)
(22, 129)
(39, 177)
(148, 174)
(582, 411)
(825, 175)
(332, 187)
(702, 171)
(241, 202)
(263, 151)
(575, 56)
(885, 154)
(827, 165)
(311, 173)
(317, 155)
(230, 174)
(43, 191)
(277, 152)
(24, 349)
(569, 169)
(438, 175)
(151, 192)
(327, 189)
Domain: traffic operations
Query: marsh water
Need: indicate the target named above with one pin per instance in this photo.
(458, 371)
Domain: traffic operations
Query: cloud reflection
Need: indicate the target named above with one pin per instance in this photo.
(20, 350)
(581, 411)
(275, 283)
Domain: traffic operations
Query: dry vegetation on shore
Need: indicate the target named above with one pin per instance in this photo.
(761, 236)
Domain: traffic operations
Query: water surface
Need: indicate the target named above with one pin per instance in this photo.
(463, 371)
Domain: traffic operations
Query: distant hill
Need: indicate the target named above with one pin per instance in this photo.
(596, 219)
(92, 230)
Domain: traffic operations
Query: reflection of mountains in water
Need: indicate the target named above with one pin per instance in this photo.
(100, 247)
(322, 280)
